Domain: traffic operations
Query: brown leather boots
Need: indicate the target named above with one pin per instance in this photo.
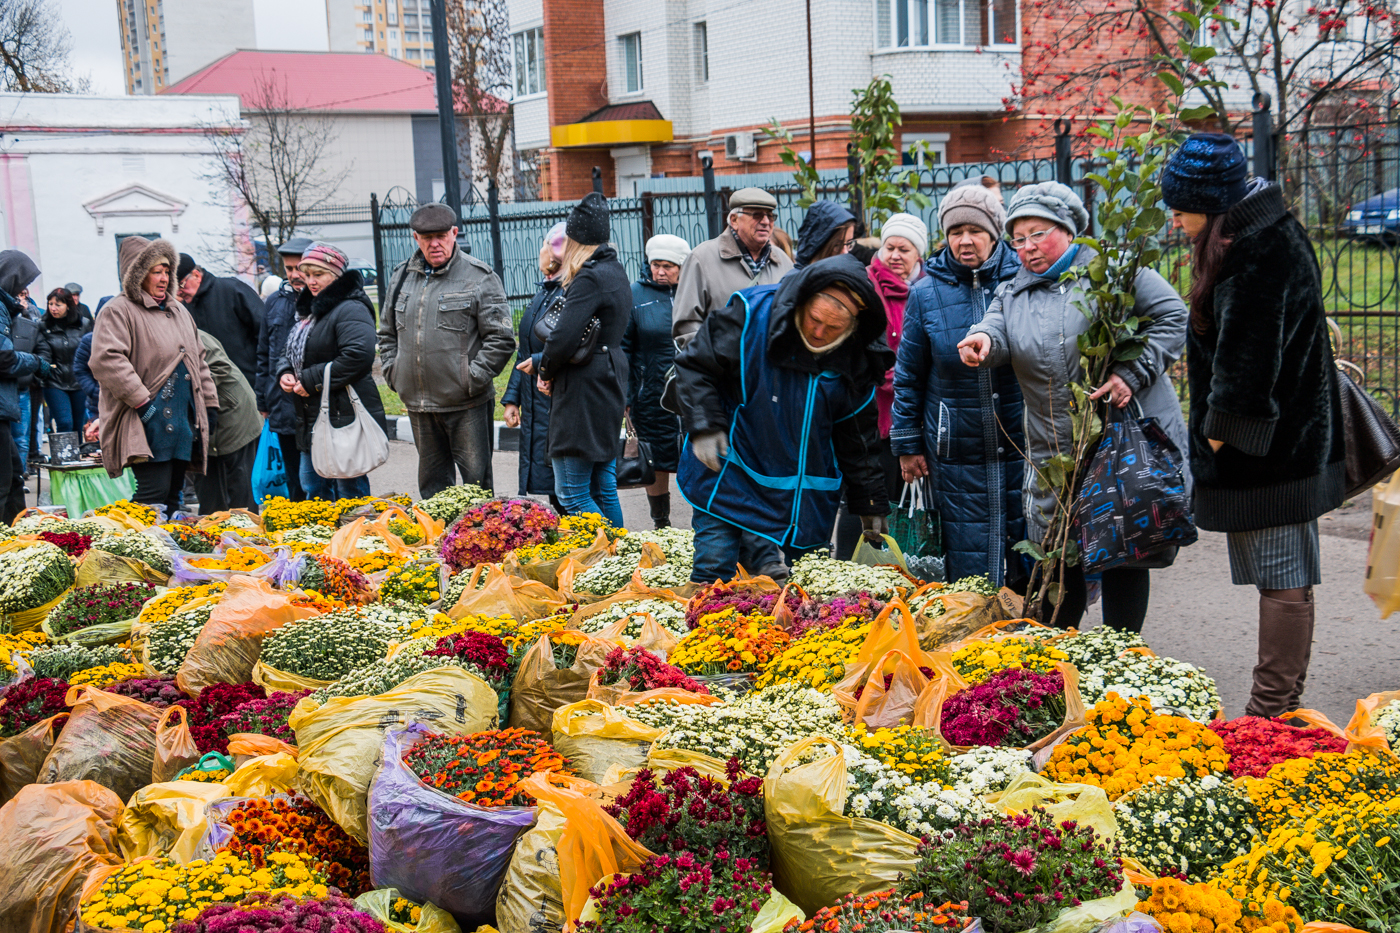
(1285, 648)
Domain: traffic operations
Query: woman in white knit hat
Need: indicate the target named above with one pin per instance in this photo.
(650, 352)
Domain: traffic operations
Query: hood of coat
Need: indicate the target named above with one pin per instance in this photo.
(137, 257)
(822, 219)
(1261, 208)
(864, 354)
(349, 287)
(1000, 266)
(17, 270)
(646, 281)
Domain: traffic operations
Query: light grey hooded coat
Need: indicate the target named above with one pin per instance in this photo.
(1035, 325)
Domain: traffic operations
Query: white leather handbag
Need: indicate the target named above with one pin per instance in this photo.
(351, 451)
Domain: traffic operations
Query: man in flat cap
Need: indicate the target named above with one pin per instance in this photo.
(742, 256)
(444, 335)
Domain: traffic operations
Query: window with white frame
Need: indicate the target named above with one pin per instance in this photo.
(702, 53)
(632, 61)
(901, 24)
(529, 61)
(925, 149)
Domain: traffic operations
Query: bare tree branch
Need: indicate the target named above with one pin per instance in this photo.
(479, 40)
(35, 48)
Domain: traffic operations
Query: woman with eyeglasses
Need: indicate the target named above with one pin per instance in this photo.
(1034, 324)
(827, 230)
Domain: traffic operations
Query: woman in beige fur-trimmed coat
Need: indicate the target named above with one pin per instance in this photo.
(158, 403)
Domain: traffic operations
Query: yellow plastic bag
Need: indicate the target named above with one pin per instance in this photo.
(1360, 734)
(503, 595)
(212, 521)
(102, 567)
(531, 897)
(167, 819)
(379, 902)
(175, 748)
(1382, 581)
(51, 838)
(963, 615)
(27, 620)
(818, 855)
(21, 756)
(272, 680)
(338, 743)
(547, 571)
(228, 646)
(1083, 803)
(109, 739)
(260, 777)
(620, 694)
(592, 845)
(540, 687)
(594, 737)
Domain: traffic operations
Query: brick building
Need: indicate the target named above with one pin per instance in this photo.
(640, 89)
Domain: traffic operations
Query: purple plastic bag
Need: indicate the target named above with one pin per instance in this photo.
(284, 568)
(434, 847)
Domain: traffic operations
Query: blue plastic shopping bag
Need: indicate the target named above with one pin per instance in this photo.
(269, 472)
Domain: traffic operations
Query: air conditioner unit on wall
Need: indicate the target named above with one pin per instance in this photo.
(740, 147)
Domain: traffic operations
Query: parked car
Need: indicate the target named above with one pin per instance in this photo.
(1375, 218)
(367, 271)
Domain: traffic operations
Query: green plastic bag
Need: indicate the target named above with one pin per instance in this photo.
(81, 491)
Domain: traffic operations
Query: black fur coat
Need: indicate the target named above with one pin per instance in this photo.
(1263, 380)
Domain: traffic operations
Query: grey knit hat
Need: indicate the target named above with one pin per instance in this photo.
(1053, 202)
(972, 204)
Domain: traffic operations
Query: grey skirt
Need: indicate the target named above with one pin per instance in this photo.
(1280, 558)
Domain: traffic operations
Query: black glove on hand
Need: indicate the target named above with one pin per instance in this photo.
(147, 411)
(213, 415)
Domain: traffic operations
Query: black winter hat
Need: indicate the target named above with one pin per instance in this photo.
(185, 267)
(1206, 175)
(589, 222)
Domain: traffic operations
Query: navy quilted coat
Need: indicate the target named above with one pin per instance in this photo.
(966, 422)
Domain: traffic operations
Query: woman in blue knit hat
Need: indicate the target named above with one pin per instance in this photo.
(1267, 448)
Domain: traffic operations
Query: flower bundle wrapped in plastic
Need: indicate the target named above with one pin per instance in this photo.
(835, 612)
(35, 575)
(978, 660)
(818, 657)
(912, 751)
(100, 604)
(684, 811)
(1305, 785)
(377, 560)
(30, 702)
(261, 827)
(484, 768)
(483, 655)
(416, 582)
(821, 576)
(1125, 744)
(575, 531)
(1098, 647)
(447, 505)
(1188, 827)
(744, 598)
(669, 615)
(205, 712)
(154, 894)
(682, 894)
(73, 543)
(927, 605)
(279, 514)
(190, 539)
(729, 643)
(172, 638)
(983, 771)
(1185, 908)
(157, 692)
(168, 603)
(1171, 685)
(317, 602)
(262, 913)
(884, 912)
(21, 643)
(641, 670)
(1255, 745)
(487, 531)
(240, 559)
(264, 717)
(125, 508)
(136, 546)
(107, 674)
(1010, 708)
(59, 662)
(1387, 717)
(333, 577)
(1016, 872)
(328, 647)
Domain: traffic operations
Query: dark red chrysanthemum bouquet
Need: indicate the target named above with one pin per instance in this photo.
(159, 692)
(745, 598)
(1016, 872)
(261, 913)
(31, 701)
(682, 894)
(832, 612)
(1011, 708)
(264, 717)
(1256, 744)
(205, 712)
(641, 670)
(484, 768)
(487, 654)
(489, 530)
(70, 542)
(688, 812)
(99, 604)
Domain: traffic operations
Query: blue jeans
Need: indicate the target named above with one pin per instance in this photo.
(19, 429)
(317, 486)
(719, 546)
(69, 409)
(588, 486)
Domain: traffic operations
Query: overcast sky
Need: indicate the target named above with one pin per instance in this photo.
(97, 51)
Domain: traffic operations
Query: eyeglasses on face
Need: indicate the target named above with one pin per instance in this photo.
(1021, 242)
(757, 214)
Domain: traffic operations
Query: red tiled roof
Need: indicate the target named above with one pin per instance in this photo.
(638, 110)
(320, 81)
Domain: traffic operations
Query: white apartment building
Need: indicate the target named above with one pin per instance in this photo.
(166, 40)
(397, 28)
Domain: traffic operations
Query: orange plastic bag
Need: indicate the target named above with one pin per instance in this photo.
(1360, 734)
(622, 695)
(175, 748)
(963, 614)
(547, 571)
(342, 543)
(540, 687)
(52, 838)
(652, 637)
(229, 644)
(880, 706)
(109, 739)
(431, 528)
(501, 594)
(254, 745)
(636, 588)
(1001, 629)
(893, 631)
(592, 846)
(214, 519)
(21, 756)
(929, 714)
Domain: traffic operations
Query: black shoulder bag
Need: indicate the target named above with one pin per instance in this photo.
(546, 323)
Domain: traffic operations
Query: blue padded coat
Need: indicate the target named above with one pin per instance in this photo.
(966, 422)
